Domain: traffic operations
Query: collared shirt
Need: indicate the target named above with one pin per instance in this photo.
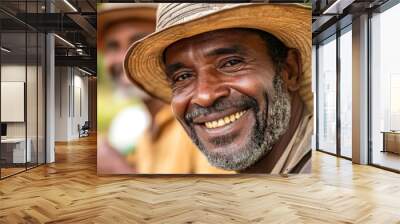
(297, 156)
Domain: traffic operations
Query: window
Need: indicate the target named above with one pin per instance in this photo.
(385, 88)
(346, 92)
(327, 96)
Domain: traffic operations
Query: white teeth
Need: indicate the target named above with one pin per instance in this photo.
(225, 120)
(221, 122)
(208, 125)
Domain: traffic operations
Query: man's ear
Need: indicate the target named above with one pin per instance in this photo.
(292, 70)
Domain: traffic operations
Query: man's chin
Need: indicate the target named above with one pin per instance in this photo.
(226, 150)
(232, 156)
(230, 147)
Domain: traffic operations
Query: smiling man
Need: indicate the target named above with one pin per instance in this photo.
(238, 80)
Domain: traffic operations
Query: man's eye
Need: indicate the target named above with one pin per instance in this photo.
(182, 77)
(231, 63)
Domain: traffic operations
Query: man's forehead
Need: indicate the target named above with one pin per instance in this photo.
(232, 38)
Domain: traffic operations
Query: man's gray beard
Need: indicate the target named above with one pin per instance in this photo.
(263, 136)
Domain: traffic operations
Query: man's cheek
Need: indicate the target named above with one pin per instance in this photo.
(251, 85)
(178, 110)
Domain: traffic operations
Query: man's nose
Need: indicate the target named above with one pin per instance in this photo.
(210, 87)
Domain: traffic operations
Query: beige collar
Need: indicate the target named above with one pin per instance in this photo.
(298, 147)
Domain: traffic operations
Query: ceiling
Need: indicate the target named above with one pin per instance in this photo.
(328, 16)
(72, 20)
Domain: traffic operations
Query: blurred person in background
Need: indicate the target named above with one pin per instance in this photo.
(154, 140)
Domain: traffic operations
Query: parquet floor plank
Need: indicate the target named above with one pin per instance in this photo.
(69, 191)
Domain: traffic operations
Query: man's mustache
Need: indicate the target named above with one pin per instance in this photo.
(243, 102)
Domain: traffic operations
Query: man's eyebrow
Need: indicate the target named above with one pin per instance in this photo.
(234, 49)
(170, 69)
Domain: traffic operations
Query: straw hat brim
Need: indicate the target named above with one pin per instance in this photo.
(291, 23)
(135, 11)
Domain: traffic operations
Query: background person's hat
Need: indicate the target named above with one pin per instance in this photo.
(111, 13)
(291, 23)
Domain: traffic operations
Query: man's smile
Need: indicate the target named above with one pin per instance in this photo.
(217, 126)
(226, 123)
(219, 118)
(225, 120)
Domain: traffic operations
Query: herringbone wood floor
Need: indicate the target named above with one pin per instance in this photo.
(69, 191)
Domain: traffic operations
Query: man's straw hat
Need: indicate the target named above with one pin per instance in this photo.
(291, 23)
(112, 13)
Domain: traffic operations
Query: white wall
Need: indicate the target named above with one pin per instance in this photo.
(71, 94)
(62, 81)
